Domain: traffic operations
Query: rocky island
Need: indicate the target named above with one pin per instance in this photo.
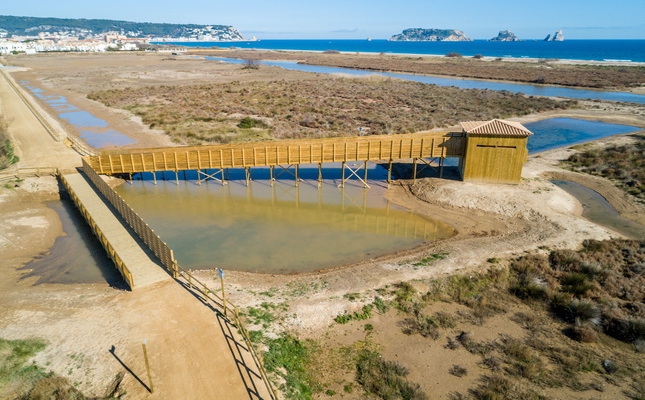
(430, 35)
(505, 36)
(558, 36)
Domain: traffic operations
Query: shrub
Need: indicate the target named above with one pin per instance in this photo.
(405, 297)
(288, 357)
(250, 64)
(385, 379)
(421, 324)
(7, 155)
(458, 371)
(584, 311)
(248, 123)
(609, 366)
(583, 334)
(576, 283)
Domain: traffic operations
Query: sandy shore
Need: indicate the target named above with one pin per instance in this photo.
(490, 220)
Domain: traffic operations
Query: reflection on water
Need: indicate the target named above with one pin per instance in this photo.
(560, 132)
(277, 229)
(596, 209)
(76, 257)
(93, 130)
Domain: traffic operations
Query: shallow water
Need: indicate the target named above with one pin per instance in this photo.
(596, 209)
(75, 257)
(562, 132)
(92, 129)
(280, 228)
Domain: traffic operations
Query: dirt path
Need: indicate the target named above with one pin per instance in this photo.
(95, 331)
(34, 145)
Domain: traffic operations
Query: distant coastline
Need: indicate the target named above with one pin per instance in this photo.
(600, 50)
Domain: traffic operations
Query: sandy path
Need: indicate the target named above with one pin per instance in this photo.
(34, 145)
(193, 353)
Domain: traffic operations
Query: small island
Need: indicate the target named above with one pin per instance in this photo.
(558, 36)
(505, 36)
(430, 35)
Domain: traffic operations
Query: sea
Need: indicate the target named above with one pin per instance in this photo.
(632, 50)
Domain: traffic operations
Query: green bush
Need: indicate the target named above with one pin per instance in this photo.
(248, 123)
(289, 357)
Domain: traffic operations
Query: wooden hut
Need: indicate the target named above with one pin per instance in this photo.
(495, 151)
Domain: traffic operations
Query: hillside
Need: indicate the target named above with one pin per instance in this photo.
(87, 28)
(430, 35)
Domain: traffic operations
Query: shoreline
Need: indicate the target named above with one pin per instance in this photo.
(321, 59)
(571, 61)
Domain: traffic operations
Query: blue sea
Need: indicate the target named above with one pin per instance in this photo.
(596, 50)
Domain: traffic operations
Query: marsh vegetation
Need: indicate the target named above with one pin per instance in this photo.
(329, 106)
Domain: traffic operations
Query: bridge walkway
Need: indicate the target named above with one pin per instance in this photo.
(131, 256)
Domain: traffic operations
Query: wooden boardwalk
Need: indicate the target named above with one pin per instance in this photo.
(294, 152)
(135, 261)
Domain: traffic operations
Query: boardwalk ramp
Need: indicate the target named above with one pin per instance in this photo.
(137, 264)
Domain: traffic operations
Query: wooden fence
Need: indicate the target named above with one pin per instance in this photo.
(231, 312)
(318, 151)
(147, 234)
(21, 173)
(165, 255)
(123, 269)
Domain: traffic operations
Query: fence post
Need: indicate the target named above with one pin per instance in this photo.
(145, 355)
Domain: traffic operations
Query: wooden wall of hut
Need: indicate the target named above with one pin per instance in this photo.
(494, 159)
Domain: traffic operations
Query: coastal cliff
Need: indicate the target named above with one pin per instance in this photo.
(505, 36)
(430, 35)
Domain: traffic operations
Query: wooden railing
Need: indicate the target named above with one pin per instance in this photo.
(231, 312)
(243, 155)
(165, 255)
(12, 174)
(142, 229)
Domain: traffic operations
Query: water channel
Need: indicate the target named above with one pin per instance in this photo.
(531, 90)
(94, 131)
(598, 210)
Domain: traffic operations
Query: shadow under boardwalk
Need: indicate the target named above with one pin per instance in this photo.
(144, 268)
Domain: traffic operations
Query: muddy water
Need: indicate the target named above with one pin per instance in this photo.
(280, 228)
(76, 257)
(599, 211)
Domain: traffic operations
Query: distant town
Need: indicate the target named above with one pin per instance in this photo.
(32, 35)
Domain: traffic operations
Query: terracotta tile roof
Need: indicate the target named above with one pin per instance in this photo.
(496, 126)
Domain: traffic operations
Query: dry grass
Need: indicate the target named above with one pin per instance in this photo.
(333, 106)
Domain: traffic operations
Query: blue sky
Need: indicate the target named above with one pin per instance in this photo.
(330, 19)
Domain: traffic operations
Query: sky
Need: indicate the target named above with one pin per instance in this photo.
(356, 19)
